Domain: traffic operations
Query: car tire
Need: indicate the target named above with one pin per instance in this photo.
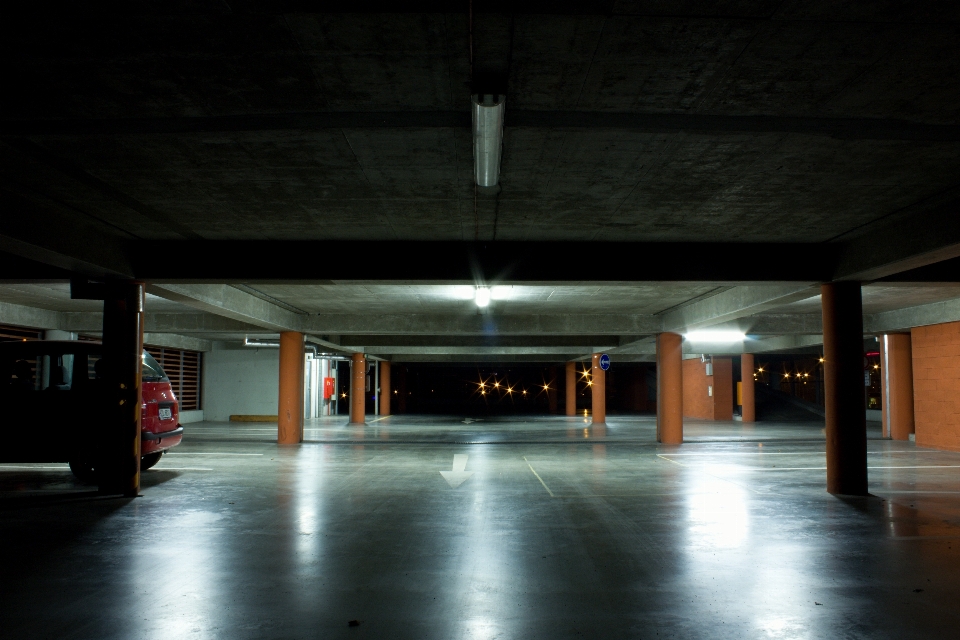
(149, 460)
(84, 471)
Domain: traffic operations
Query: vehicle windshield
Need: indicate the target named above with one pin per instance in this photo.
(152, 371)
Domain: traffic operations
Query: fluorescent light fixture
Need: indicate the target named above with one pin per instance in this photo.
(483, 296)
(487, 138)
(463, 292)
(717, 335)
(502, 293)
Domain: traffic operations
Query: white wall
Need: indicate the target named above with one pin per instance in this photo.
(240, 381)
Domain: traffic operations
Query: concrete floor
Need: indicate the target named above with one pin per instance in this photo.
(560, 532)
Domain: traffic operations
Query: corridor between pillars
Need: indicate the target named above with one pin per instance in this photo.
(843, 388)
(669, 388)
(290, 405)
(599, 388)
(385, 392)
(358, 388)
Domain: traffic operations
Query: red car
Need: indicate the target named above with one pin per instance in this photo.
(50, 399)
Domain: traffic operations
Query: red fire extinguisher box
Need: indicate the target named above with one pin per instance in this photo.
(328, 389)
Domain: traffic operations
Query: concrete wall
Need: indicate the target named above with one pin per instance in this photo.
(240, 381)
(936, 385)
(697, 401)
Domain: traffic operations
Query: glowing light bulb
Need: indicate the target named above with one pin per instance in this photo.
(483, 296)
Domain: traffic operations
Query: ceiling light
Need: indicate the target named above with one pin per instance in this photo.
(463, 292)
(716, 335)
(487, 138)
(483, 296)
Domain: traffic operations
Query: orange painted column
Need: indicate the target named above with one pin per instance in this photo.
(748, 410)
(385, 388)
(669, 388)
(571, 389)
(843, 388)
(290, 405)
(358, 389)
(896, 369)
(599, 388)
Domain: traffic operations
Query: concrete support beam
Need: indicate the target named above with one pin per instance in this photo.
(919, 316)
(180, 323)
(914, 237)
(558, 350)
(781, 343)
(734, 303)
(224, 300)
(21, 316)
(174, 341)
(480, 325)
(64, 240)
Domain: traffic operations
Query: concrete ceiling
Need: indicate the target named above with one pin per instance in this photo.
(795, 142)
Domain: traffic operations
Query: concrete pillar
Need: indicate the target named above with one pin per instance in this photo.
(599, 389)
(571, 388)
(669, 388)
(358, 389)
(748, 410)
(385, 391)
(290, 402)
(843, 388)
(896, 369)
(118, 460)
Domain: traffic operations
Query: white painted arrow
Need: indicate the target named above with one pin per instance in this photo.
(458, 475)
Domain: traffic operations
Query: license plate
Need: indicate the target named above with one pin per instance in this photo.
(166, 413)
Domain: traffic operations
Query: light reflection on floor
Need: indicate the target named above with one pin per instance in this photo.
(563, 530)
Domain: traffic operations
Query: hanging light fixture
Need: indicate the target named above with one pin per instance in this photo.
(487, 137)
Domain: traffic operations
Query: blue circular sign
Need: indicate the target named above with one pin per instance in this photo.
(604, 362)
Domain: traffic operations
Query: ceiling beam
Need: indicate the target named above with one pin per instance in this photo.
(501, 262)
(52, 234)
(31, 317)
(659, 123)
(733, 304)
(917, 236)
(224, 300)
(481, 325)
(918, 316)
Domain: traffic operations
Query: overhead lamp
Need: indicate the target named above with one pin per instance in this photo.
(483, 296)
(716, 335)
(487, 138)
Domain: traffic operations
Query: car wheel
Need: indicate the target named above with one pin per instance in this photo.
(149, 460)
(84, 471)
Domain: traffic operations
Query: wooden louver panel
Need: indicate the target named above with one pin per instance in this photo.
(183, 369)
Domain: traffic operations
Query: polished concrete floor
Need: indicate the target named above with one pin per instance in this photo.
(540, 528)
